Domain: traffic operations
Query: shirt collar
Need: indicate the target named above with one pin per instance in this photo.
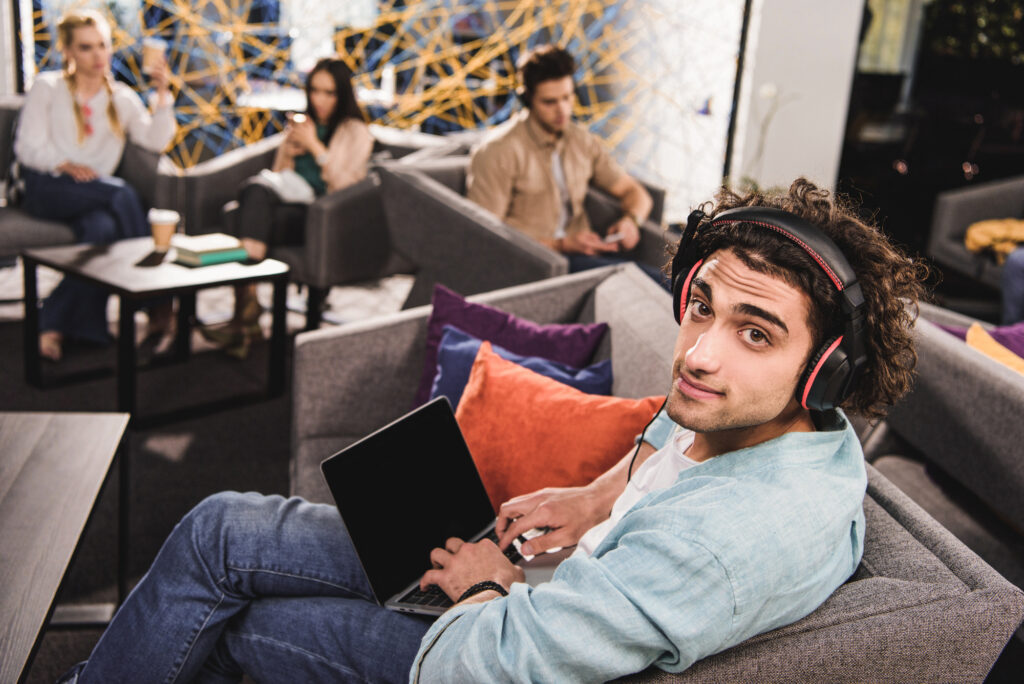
(542, 138)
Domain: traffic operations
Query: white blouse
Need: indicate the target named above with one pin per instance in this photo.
(48, 135)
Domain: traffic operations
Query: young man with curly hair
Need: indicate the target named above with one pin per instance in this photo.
(739, 512)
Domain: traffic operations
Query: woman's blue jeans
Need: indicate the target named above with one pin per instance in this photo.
(1013, 287)
(99, 212)
(256, 584)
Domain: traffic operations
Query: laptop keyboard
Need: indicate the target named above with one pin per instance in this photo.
(433, 596)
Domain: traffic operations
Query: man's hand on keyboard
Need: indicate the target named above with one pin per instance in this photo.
(563, 514)
(460, 565)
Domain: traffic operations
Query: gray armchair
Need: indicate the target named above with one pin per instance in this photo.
(153, 175)
(921, 607)
(346, 236)
(955, 210)
(455, 242)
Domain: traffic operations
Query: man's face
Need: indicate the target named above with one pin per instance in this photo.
(741, 349)
(552, 104)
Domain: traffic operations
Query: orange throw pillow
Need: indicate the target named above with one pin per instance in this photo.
(527, 432)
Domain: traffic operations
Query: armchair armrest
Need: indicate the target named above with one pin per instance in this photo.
(955, 210)
(346, 236)
(455, 242)
(603, 210)
(154, 176)
(211, 184)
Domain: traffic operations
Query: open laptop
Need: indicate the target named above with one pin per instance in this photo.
(405, 489)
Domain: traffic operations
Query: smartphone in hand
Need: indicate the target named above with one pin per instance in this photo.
(613, 237)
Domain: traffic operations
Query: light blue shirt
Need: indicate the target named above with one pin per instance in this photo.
(741, 544)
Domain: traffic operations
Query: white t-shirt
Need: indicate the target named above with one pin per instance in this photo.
(659, 471)
(48, 133)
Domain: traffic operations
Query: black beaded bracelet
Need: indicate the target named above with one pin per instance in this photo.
(482, 586)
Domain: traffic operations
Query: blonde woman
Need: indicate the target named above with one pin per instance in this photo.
(71, 134)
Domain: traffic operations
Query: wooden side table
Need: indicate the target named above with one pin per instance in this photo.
(52, 467)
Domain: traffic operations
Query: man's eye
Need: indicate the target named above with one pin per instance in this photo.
(755, 336)
(699, 308)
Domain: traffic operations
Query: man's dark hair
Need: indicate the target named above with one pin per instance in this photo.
(542, 63)
(891, 281)
(345, 107)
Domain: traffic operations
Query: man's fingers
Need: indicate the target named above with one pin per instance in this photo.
(439, 557)
(523, 524)
(430, 577)
(453, 544)
(552, 540)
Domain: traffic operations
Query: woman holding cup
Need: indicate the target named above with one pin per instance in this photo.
(71, 135)
(329, 147)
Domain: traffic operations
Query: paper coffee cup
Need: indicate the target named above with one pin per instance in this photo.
(163, 223)
(153, 51)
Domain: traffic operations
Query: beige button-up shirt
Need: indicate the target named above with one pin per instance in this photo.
(510, 174)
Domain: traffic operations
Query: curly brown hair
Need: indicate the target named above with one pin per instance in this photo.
(891, 281)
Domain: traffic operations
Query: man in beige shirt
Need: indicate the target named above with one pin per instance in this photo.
(534, 170)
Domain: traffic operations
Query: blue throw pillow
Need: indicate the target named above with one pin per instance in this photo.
(457, 351)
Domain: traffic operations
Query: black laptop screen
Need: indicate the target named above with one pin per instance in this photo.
(403, 490)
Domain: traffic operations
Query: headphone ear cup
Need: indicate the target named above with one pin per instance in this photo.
(681, 290)
(826, 381)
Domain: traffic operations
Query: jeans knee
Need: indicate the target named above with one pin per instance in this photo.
(218, 515)
(97, 227)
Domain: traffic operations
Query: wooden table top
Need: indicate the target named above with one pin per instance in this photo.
(132, 268)
(52, 466)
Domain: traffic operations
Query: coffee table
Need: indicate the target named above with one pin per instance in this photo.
(135, 273)
(52, 466)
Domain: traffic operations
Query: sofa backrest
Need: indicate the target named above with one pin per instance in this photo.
(9, 107)
(448, 171)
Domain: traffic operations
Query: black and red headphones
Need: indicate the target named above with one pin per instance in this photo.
(834, 367)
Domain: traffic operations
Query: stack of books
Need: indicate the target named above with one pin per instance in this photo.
(203, 250)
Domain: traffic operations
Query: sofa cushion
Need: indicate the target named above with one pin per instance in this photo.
(572, 344)
(979, 339)
(527, 432)
(458, 350)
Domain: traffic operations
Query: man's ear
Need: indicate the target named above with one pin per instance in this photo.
(524, 98)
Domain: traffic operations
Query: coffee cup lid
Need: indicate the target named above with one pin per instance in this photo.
(163, 216)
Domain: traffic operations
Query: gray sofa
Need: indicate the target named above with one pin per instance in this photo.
(154, 176)
(455, 242)
(921, 607)
(954, 446)
(955, 210)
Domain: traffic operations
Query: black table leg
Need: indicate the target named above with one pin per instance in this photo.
(126, 357)
(186, 313)
(30, 333)
(124, 493)
(278, 339)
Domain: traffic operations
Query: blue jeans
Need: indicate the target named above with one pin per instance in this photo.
(1013, 287)
(99, 212)
(584, 262)
(256, 584)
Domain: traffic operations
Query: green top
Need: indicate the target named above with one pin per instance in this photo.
(306, 166)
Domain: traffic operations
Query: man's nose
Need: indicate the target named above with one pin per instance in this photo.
(703, 356)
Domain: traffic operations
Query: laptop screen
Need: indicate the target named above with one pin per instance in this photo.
(403, 490)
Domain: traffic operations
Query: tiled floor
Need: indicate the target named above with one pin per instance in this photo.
(344, 303)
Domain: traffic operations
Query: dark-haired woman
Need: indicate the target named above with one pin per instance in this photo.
(330, 148)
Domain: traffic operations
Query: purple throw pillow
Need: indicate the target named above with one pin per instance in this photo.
(572, 344)
(1010, 336)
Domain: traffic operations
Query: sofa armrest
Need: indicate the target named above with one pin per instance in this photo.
(211, 184)
(955, 210)
(922, 607)
(455, 242)
(155, 177)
